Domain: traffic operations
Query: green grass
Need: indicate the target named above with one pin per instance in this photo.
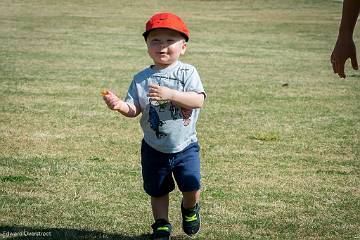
(279, 133)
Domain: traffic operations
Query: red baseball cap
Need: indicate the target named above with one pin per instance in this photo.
(167, 20)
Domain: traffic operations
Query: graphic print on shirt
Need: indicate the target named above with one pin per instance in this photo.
(186, 114)
(155, 122)
(155, 107)
(183, 113)
(174, 111)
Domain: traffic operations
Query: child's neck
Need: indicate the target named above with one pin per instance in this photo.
(160, 67)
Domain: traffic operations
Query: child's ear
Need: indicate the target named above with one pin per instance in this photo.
(183, 48)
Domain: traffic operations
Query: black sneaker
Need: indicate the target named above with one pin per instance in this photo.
(191, 220)
(161, 230)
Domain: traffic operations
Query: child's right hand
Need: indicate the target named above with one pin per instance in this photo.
(112, 101)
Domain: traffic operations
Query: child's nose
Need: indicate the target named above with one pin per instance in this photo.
(163, 44)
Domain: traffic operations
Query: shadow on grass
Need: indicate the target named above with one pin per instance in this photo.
(28, 233)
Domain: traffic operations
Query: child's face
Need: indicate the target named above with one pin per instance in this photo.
(165, 46)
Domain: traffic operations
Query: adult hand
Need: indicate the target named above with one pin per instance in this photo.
(343, 50)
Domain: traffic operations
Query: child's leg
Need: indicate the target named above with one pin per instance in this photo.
(190, 199)
(187, 175)
(160, 207)
(190, 211)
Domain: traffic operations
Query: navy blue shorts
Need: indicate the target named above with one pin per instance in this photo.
(159, 170)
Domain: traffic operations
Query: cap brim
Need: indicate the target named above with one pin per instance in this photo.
(145, 34)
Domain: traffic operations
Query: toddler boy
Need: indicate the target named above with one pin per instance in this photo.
(169, 94)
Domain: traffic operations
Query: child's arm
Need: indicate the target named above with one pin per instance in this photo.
(188, 100)
(114, 103)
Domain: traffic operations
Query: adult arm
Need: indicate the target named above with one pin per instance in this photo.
(345, 46)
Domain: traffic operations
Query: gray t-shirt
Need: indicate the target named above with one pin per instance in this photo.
(167, 127)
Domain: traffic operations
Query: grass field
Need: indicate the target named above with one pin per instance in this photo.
(280, 133)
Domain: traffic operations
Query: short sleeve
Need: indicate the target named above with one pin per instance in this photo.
(193, 82)
(132, 94)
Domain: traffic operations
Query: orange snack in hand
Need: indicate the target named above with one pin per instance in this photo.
(104, 92)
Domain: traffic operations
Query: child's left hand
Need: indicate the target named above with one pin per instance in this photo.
(159, 93)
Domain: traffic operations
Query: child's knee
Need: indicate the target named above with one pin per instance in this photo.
(191, 194)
